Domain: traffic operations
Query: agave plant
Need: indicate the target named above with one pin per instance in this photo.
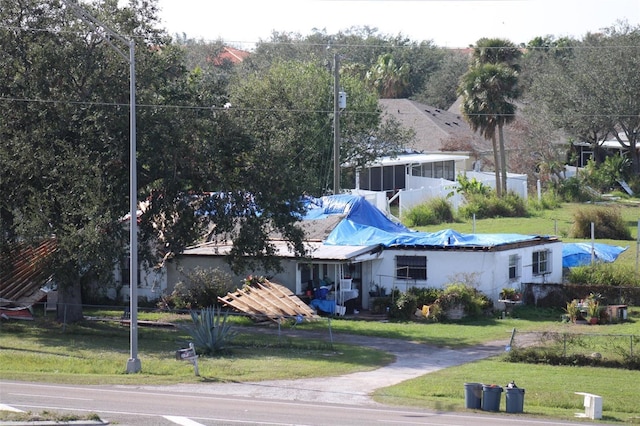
(210, 330)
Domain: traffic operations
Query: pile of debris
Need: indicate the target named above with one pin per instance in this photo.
(264, 300)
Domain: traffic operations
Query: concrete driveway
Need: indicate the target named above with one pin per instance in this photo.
(412, 360)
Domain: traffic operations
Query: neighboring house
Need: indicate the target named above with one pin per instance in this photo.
(348, 237)
(583, 151)
(446, 146)
(391, 174)
(230, 55)
(436, 130)
(415, 178)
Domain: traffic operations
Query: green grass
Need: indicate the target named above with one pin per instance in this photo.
(96, 352)
(549, 390)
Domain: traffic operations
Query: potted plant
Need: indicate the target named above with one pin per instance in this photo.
(508, 293)
(593, 310)
(572, 310)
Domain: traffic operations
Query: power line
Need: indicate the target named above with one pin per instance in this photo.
(234, 109)
(178, 107)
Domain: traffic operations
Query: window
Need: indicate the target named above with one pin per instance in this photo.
(540, 262)
(514, 267)
(411, 267)
(125, 276)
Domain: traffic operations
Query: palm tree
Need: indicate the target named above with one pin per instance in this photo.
(499, 51)
(389, 79)
(486, 91)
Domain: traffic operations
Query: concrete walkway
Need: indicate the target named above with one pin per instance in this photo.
(412, 360)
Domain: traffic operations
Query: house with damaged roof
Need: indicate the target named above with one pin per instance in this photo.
(351, 241)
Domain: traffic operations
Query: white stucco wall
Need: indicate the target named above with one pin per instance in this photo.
(488, 270)
(176, 270)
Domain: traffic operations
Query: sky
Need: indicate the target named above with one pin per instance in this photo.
(448, 23)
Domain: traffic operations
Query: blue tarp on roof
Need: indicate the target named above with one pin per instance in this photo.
(364, 225)
(579, 254)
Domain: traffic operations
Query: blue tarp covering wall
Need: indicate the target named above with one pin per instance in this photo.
(364, 225)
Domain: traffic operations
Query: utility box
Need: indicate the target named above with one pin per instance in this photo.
(342, 100)
(592, 406)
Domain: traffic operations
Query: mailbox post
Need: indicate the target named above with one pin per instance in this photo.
(189, 354)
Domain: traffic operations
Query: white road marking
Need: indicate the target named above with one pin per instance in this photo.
(4, 407)
(184, 421)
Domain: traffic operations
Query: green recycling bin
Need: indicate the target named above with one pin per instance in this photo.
(514, 398)
(491, 397)
(473, 395)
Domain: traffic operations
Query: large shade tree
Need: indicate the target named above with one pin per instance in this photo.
(591, 88)
(289, 108)
(65, 143)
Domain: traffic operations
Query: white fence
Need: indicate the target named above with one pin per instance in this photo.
(424, 189)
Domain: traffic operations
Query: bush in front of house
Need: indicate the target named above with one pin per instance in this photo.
(200, 288)
(608, 224)
(414, 298)
(433, 212)
(472, 300)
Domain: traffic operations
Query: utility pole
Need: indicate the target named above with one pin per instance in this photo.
(107, 34)
(336, 124)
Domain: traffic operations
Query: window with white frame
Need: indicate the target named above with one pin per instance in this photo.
(541, 262)
(411, 267)
(514, 266)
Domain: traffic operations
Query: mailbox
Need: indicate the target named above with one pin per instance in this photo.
(592, 406)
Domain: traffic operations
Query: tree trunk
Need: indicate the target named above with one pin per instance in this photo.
(635, 156)
(69, 308)
(503, 160)
(496, 165)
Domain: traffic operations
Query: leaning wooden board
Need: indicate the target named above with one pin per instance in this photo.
(268, 300)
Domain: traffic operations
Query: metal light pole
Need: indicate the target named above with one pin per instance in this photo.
(133, 364)
(336, 124)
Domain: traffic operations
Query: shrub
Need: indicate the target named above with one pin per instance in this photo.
(549, 200)
(201, 288)
(606, 175)
(573, 190)
(608, 224)
(603, 274)
(472, 300)
(414, 298)
(468, 187)
(484, 207)
(433, 212)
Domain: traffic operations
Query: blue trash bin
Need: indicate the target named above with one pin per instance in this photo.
(473, 395)
(514, 398)
(491, 397)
